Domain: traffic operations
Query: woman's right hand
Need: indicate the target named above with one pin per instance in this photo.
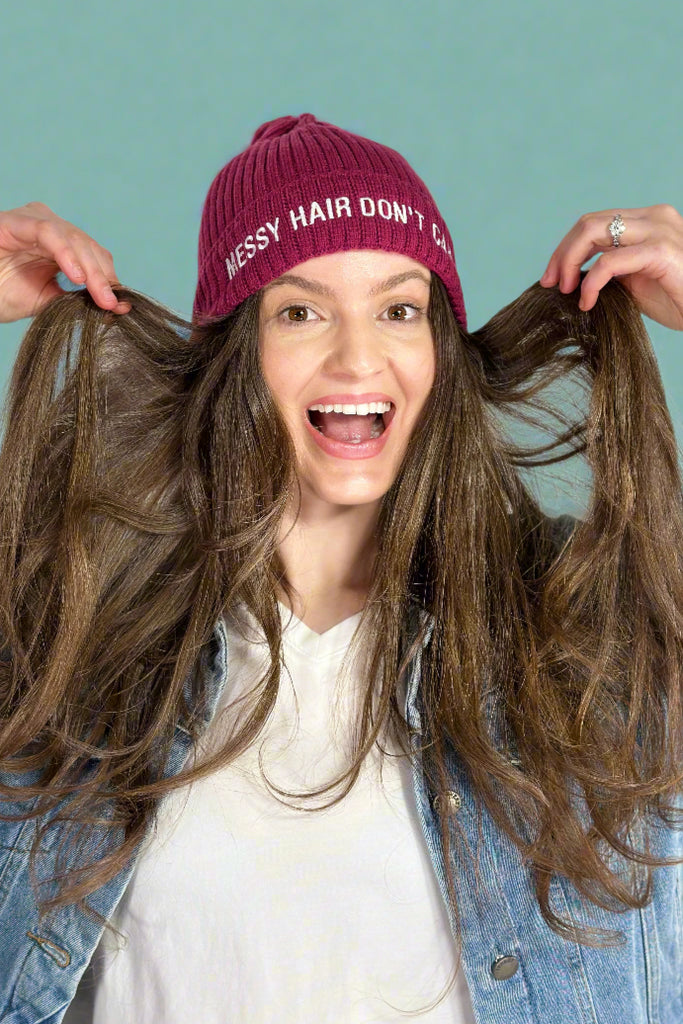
(35, 244)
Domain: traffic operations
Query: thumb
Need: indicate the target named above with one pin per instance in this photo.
(49, 292)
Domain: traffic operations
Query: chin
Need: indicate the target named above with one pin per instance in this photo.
(348, 494)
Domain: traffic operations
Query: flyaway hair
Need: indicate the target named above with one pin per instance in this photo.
(144, 476)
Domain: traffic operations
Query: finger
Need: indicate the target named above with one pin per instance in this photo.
(564, 268)
(75, 253)
(80, 264)
(589, 236)
(619, 262)
(106, 264)
(49, 292)
(79, 261)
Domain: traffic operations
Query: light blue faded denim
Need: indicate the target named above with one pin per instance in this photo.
(557, 981)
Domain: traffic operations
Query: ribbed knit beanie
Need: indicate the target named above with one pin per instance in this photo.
(304, 188)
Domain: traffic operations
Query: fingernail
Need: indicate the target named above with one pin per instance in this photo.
(76, 271)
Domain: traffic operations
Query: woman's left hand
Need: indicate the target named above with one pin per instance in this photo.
(648, 260)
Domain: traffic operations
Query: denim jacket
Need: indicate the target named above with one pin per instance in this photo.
(518, 970)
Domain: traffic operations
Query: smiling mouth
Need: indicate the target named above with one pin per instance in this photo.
(350, 428)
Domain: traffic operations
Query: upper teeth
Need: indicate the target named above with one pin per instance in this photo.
(353, 410)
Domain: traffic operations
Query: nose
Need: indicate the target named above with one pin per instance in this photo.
(356, 350)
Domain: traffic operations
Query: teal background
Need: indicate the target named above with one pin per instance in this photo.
(520, 117)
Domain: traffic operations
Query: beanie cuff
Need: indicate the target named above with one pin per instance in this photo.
(318, 214)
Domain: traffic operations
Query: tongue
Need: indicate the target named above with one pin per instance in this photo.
(338, 426)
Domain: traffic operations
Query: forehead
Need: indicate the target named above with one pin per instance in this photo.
(369, 270)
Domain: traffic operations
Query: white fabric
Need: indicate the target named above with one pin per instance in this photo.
(244, 911)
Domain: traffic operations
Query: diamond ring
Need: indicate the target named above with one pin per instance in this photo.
(616, 229)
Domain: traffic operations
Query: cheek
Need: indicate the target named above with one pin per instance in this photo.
(280, 374)
(270, 368)
(421, 375)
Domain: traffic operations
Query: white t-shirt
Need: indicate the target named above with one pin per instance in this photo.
(244, 911)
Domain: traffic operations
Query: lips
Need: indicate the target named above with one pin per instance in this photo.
(344, 430)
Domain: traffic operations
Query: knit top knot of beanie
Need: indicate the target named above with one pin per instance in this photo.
(304, 188)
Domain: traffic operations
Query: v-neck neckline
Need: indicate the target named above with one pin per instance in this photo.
(297, 634)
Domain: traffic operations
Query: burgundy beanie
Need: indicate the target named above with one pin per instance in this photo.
(304, 188)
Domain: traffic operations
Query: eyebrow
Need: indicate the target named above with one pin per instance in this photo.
(322, 289)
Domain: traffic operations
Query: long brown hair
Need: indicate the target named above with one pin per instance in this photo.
(144, 476)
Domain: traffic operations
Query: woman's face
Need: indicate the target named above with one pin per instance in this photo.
(348, 355)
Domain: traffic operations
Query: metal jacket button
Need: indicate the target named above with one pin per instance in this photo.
(504, 967)
(447, 803)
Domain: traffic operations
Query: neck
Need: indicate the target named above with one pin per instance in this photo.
(328, 556)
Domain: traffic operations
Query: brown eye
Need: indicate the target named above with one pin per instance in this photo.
(400, 307)
(297, 314)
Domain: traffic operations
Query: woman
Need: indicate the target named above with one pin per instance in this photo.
(285, 554)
